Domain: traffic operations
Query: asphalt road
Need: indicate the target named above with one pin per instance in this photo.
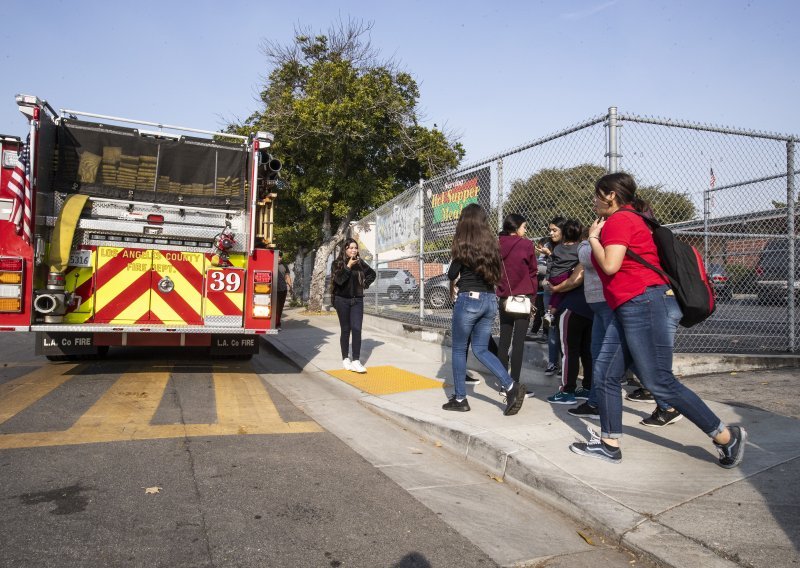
(93, 472)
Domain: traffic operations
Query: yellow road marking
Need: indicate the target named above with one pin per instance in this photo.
(19, 394)
(124, 412)
(385, 380)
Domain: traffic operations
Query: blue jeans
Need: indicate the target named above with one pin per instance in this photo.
(603, 315)
(474, 316)
(648, 324)
(553, 336)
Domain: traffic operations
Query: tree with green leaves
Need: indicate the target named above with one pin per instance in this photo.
(347, 128)
(569, 191)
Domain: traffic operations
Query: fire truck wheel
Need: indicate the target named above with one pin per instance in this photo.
(57, 358)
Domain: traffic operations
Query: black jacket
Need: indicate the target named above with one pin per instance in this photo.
(351, 283)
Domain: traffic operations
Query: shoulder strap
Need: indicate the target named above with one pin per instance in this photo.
(628, 252)
(510, 290)
(640, 260)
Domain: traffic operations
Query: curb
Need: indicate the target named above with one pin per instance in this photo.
(530, 472)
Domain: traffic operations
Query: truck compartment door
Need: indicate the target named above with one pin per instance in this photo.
(123, 283)
(177, 284)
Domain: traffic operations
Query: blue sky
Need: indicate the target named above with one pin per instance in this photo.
(498, 74)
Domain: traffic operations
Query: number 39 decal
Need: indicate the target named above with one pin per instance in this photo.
(225, 281)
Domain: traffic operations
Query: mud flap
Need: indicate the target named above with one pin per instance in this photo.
(234, 344)
(65, 343)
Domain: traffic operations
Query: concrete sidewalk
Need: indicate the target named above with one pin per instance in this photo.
(667, 499)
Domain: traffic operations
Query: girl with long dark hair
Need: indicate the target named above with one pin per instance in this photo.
(477, 266)
(350, 276)
(520, 270)
(646, 316)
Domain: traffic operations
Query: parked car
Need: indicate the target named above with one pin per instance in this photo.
(437, 292)
(772, 271)
(395, 283)
(719, 281)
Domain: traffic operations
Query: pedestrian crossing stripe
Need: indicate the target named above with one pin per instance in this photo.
(124, 411)
(386, 379)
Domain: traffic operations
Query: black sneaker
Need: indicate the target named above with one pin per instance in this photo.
(515, 396)
(731, 454)
(552, 370)
(472, 380)
(454, 404)
(641, 395)
(661, 418)
(595, 448)
(585, 410)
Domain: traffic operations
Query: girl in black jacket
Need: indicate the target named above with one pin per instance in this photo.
(350, 276)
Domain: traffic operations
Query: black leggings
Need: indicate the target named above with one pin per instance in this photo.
(351, 314)
(513, 328)
(576, 345)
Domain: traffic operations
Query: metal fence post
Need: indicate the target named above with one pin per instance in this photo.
(790, 229)
(706, 215)
(421, 251)
(500, 193)
(612, 155)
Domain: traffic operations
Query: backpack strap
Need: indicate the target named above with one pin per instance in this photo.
(653, 224)
(640, 260)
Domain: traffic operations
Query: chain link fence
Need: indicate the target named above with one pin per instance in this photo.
(730, 193)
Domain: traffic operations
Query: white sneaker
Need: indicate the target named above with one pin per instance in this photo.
(357, 367)
(347, 364)
(548, 317)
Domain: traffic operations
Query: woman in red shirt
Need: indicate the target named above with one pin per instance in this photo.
(647, 313)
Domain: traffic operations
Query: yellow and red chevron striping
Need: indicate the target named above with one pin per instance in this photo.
(127, 288)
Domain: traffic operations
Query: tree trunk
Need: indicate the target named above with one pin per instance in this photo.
(298, 274)
(318, 288)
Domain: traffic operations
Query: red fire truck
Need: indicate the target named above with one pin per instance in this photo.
(118, 232)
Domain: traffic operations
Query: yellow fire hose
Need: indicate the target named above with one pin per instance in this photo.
(64, 232)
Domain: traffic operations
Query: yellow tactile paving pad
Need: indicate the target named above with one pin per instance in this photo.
(385, 379)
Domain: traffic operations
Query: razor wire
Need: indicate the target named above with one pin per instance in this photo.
(729, 192)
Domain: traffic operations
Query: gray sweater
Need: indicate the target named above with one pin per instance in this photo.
(592, 287)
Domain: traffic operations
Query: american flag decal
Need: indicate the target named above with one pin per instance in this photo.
(713, 181)
(20, 187)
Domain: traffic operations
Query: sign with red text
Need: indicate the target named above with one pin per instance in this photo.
(446, 198)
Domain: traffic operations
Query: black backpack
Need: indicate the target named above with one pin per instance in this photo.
(685, 271)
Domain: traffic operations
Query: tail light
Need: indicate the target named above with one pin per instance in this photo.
(262, 294)
(11, 285)
(11, 264)
(719, 278)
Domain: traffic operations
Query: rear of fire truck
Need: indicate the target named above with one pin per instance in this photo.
(145, 235)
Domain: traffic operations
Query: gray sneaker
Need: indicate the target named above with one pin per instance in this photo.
(731, 454)
(595, 448)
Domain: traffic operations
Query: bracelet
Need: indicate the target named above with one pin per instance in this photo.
(593, 237)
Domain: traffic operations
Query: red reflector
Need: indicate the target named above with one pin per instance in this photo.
(262, 277)
(154, 219)
(11, 264)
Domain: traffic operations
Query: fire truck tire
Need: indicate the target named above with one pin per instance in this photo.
(57, 358)
(237, 357)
